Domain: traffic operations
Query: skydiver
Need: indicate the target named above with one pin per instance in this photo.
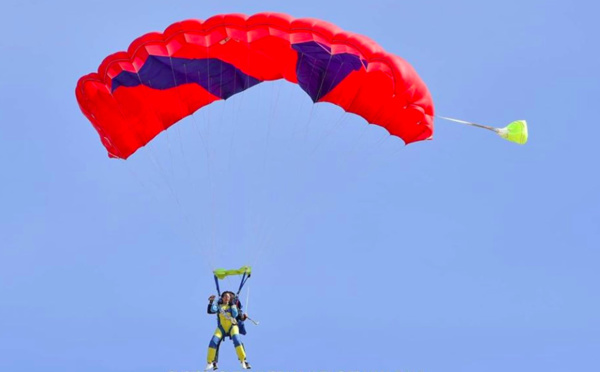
(228, 316)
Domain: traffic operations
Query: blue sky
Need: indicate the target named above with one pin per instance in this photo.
(466, 253)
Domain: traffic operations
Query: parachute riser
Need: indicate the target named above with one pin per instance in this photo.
(245, 278)
(217, 285)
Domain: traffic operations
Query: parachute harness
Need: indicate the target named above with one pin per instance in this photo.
(245, 272)
(227, 316)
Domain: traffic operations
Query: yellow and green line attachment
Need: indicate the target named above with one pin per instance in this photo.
(514, 132)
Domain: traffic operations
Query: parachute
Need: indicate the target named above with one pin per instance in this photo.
(164, 77)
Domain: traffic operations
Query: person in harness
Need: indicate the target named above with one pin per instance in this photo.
(230, 319)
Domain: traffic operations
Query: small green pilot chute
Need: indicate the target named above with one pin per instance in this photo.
(514, 132)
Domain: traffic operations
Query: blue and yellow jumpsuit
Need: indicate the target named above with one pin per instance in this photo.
(226, 326)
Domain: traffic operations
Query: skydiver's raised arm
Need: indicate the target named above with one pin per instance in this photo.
(212, 308)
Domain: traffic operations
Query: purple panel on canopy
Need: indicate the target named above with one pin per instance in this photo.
(319, 71)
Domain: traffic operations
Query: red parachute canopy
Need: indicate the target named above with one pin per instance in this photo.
(164, 77)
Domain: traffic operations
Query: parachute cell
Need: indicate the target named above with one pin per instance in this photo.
(164, 77)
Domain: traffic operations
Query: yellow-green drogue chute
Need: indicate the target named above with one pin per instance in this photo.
(220, 274)
(514, 132)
